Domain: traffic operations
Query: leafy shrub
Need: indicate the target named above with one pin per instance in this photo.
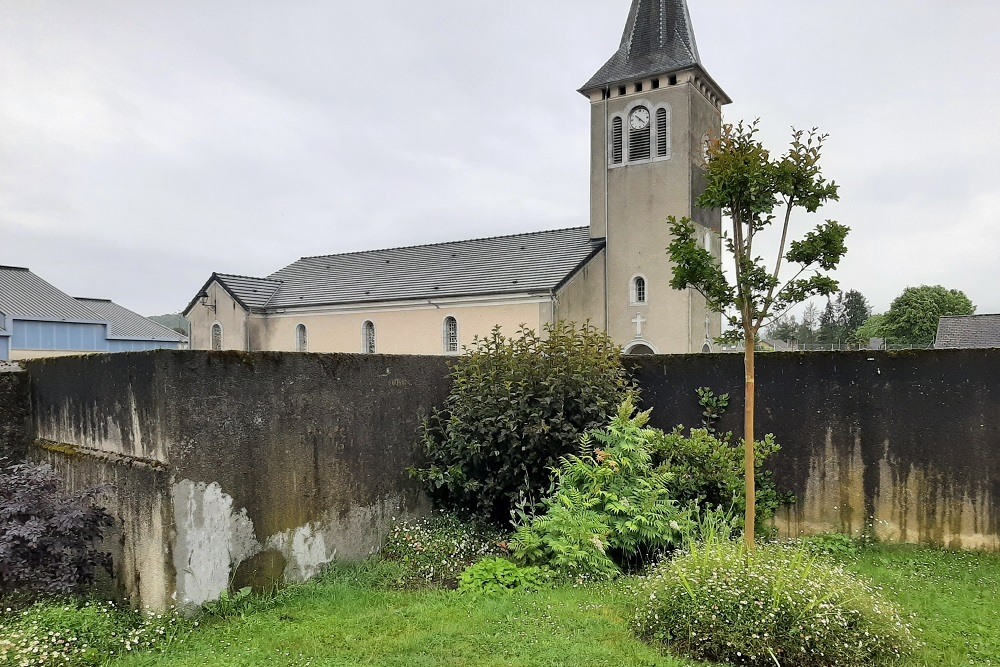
(434, 551)
(48, 538)
(612, 506)
(776, 605)
(81, 633)
(516, 406)
(706, 469)
(498, 575)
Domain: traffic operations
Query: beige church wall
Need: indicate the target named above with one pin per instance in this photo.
(582, 297)
(399, 330)
(227, 312)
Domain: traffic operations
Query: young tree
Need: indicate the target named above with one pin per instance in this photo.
(753, 190)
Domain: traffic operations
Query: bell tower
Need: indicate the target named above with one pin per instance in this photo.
(653, 107)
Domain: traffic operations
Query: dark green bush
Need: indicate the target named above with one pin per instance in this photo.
(434, 551)
(517, 405)
(779, 605)
(706, 469)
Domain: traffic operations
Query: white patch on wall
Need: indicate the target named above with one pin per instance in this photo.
(211, 540)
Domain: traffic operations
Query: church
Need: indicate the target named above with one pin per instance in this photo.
(653, 109)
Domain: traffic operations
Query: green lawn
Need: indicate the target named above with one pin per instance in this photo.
(349, 619)
(954, 599)
(345, 620)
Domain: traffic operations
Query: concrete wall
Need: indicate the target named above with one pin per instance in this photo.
(906, 444)
(235, 467)
(245, 468)
(15, 411)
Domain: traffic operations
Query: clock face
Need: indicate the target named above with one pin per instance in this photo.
(639, 118)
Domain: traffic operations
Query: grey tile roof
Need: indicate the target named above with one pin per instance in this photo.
(658, 39)
(23, 294)
(534, 263)
(968, 331)
(127, 325)
(252, 292)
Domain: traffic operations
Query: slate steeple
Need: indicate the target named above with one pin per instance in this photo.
(658, 39)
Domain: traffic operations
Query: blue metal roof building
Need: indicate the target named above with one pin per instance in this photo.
(37, 319)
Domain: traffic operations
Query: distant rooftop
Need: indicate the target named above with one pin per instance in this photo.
(25, 295)
(968, 331)
(128, 325)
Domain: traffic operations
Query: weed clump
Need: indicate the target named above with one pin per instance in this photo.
(779, 604)
(81, 633)
(435, 550)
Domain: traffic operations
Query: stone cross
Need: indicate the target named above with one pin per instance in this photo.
(638, 322)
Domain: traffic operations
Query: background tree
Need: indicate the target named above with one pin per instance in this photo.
(753, 190)
(784, 328)
(856, 311)
(913, 316)
(831, 330)
(807, 332)
(874, 327)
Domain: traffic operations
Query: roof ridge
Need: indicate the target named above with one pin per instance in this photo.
(237, 275)
(944, 317)
(444, 243)
(90, 298)
(15, 268)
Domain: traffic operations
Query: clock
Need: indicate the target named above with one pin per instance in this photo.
(639, 118)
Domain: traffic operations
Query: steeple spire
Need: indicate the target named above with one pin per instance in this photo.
(658, 39)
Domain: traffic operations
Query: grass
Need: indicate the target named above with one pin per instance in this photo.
(953, 597)
(348, 618)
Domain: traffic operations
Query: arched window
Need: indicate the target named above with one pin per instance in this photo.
(450, 334)
(639, 134)
(638, 291)
(301, 339)
(216, 336)
(616, 140)
(663, 132)
(368, 337)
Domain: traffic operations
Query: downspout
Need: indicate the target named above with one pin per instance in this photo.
(607, 223)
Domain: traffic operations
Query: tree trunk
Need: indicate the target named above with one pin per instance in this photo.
(748, 439)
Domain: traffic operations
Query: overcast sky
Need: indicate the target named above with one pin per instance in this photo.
(145, 144)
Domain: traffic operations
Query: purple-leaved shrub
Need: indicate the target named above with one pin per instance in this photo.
(49, 538)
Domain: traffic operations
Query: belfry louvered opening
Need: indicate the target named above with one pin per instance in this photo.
(616, 140)
(662, 132)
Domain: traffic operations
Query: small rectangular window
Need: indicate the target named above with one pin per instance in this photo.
(655, 83)
(672, 80)
(621, 90)
(638, 87)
